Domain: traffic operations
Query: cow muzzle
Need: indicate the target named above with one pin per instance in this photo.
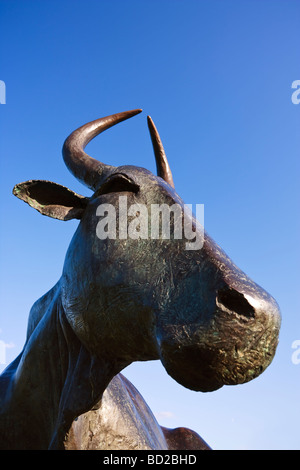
(232, 346)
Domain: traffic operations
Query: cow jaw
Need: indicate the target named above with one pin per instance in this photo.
(229, 349)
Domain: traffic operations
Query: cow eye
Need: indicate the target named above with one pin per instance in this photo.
(117, 184)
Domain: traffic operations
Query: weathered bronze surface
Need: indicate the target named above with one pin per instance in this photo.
(125, 300)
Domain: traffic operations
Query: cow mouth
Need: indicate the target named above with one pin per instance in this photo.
(233, 349)
(192, 368)
(204, 369)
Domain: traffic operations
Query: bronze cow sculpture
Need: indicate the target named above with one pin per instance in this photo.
(124, 300)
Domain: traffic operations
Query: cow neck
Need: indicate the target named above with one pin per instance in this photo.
(56, 379)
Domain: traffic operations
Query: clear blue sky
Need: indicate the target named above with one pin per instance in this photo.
(216, 78)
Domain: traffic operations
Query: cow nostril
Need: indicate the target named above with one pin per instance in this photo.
(235, 301)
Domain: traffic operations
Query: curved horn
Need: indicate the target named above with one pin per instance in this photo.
(82, 166)
(162, 165)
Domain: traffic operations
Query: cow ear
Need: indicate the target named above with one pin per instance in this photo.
(51, 199)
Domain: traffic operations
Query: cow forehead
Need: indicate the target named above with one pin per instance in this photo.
(146, 180)
(139, 175)
(132, 170)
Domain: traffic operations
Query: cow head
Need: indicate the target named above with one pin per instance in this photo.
(133, 299)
